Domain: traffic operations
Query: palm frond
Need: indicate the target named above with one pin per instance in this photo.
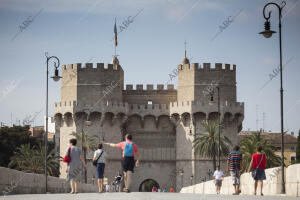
(207, 144)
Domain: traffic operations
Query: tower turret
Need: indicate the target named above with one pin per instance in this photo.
(92, 84)
(195, 82)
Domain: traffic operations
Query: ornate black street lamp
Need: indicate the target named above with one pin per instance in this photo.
(209, 173)
(87, 122)
(56, 78)
(192, 177)
(268, 33)
(219, 121)
(181, 172)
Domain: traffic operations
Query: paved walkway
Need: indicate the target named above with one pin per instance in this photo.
(139, 196)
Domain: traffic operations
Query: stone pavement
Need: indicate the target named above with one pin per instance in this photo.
(139, 196)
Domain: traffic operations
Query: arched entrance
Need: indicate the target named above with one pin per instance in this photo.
(147, 185)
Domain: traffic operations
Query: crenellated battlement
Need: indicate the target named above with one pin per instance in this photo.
(149, 87)
(138, 106)
(92, 81)
(149, 109)
(207, 67)
(91, 66)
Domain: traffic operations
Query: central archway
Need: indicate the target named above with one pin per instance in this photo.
(147, 185)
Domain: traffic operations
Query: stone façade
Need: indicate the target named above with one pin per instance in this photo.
(163, 121)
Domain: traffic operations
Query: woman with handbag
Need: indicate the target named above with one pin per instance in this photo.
(74, 159)
(258, 166)
(99, 162)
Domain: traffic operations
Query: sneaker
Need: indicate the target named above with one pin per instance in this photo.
(126, 190)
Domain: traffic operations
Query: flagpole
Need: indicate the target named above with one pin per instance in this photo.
(116, 32)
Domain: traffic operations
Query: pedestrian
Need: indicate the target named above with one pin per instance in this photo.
(218, 177)
(129, 152)
(75, 165)
(258, 166)
(234, 166)
(107, 188)
(118, 182)
(100, 159)
(164, 190)
(172, 190)
(154, 189)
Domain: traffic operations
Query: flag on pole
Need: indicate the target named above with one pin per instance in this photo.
(116, 33)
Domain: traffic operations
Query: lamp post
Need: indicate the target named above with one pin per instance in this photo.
(209, 173)
(87, 122)
(195, 153)
(267, 33)
(56, 78)
(219, 121)
(192, 179)
(181, 172)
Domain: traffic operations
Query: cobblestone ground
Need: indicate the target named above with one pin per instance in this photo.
(139, 196)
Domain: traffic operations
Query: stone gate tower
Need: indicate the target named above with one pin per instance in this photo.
(163, 121)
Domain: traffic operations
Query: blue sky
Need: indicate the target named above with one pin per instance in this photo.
(151, 47)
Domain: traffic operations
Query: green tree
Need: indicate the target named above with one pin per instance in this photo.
(249, 145)
(32, 159)
(207, 144)
(298, 148)
(12, 138)
(87, 143)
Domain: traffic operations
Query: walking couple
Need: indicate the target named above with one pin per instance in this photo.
(129, 150)
(257, 166)
(75, 161)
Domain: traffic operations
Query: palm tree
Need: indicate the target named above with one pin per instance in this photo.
(249, 146)
(32, 160)
(87, 143)
(207, 144)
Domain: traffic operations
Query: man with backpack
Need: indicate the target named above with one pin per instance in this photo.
(129, 152)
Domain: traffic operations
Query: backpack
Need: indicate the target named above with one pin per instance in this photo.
(128, 150)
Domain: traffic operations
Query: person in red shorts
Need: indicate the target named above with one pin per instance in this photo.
(129, 152)
(258, 166)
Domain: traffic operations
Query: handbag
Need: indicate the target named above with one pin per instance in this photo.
(96, 161)
(254, 172)
(67, 158)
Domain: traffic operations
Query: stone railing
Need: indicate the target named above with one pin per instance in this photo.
(17, 182)
(272, 185)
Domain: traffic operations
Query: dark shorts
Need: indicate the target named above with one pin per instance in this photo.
(218, 183)
(260, 174)
(128, 164)
(100, 170)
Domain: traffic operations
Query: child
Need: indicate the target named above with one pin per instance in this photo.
(118, 182)
(218, 177)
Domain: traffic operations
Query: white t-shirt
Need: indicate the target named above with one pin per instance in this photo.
(218, 175)
(97, 154)
(107, 188)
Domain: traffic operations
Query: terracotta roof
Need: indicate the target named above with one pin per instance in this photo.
(275, 137)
